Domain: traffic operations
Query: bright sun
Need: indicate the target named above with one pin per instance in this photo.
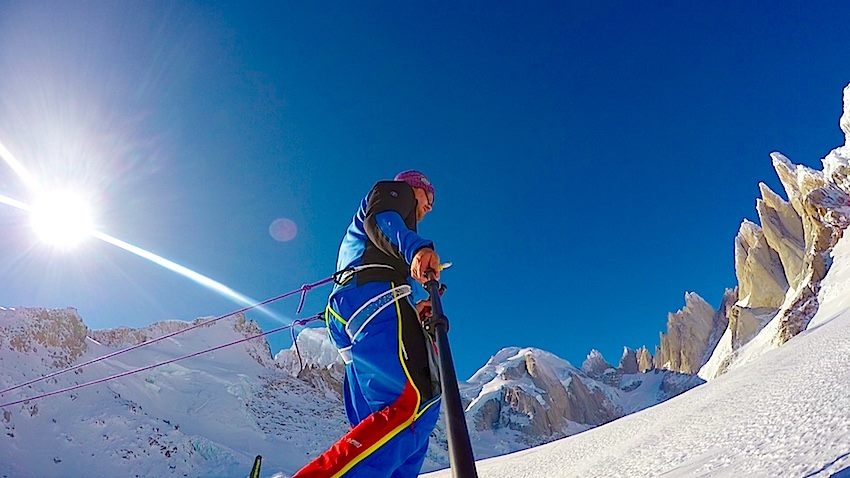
(61, 219)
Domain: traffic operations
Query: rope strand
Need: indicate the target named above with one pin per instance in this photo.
(297, 351)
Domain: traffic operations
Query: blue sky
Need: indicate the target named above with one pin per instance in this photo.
(592, 161)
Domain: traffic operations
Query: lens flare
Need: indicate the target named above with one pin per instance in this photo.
(14, 203)
(283, 229)
(185, 272)
(62, 219)
(18, 168)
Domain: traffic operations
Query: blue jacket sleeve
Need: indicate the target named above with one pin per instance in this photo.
(389, 204)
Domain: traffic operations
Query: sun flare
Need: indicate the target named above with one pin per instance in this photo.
(62, 219)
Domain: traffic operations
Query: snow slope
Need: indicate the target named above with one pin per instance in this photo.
(785, 413)
(206, 416)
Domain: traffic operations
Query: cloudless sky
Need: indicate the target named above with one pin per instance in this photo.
(592, 160)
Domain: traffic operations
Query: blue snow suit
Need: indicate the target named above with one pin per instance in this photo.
(391, 389)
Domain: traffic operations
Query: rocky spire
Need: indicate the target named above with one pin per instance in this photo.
(783, 231)
(758, 268)
(628, 362)
(683, 348)
(645, 360)
(823, 207)
(780, 265)
(595, 365)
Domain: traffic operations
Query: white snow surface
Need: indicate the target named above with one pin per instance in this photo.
(315, 348)
(784, 413)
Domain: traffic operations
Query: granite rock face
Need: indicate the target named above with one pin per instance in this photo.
(758, 268)
(57, 336)
(595, 364)
(825, 211)
(629, 362)
(689, 332)
(645, 360)
(781, 263)
(534, 397)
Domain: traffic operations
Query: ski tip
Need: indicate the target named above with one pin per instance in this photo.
(255, 470)
(445, 265)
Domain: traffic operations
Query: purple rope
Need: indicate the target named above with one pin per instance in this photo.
(303, 291)
(297, 351)
(142, 369)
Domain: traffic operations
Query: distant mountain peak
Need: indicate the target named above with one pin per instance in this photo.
(595, 364)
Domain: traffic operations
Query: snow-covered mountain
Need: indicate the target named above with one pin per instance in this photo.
(211, 414)
(777, 400)
(522, 397)
(526, 397)
(206, 416)
(779, 266)
(787, 258)
(776, 354)
(783, 414)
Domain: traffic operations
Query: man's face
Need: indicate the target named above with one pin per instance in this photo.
(424, 202)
